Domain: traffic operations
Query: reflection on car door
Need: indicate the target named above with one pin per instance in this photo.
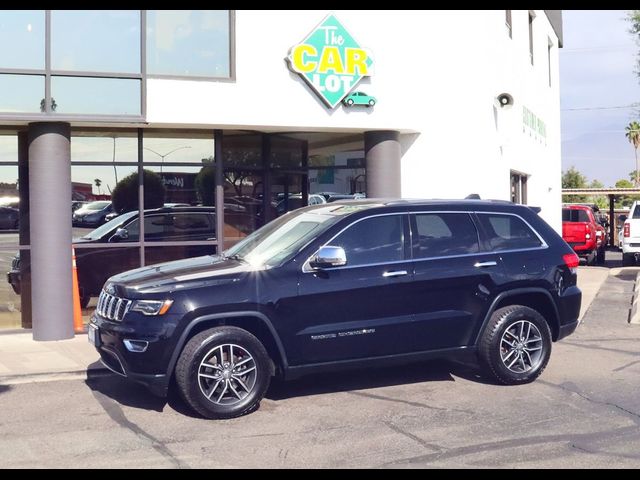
(453, 280)
(358, 310)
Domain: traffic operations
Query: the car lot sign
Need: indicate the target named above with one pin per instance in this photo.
(331, 61)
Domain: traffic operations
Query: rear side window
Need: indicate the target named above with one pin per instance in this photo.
(373, 240)
(508, 232)
(570, 215)
(445, 234)
(636, 212)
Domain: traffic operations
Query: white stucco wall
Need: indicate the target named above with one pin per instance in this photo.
(436, 76)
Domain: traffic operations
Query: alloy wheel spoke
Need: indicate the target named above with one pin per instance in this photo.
(511, 352)
(538, 339)
(224, 390)
(234, 390)
(209, 365)
(521, 358)
(242, 362)
(528, 357)
(212, 377)
(535, 349)
(213, 389)
(526, 338)
(514, 361)
(511, 344)
(244, 372)
(241, 383)
(515, 337)
(521, 331)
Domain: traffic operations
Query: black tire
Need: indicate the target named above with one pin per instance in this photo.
(372, 103)
(600, 257)
(491, 345)
(205, 346)
(628, 259)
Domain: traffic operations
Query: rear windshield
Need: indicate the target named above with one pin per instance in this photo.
(569, 215)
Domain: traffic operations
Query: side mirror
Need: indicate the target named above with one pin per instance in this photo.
(328, 257)
(121, 234)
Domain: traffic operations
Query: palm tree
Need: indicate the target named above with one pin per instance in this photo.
(98, 182)
(633, 135)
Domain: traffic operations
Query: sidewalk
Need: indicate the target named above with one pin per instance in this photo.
(24, 360)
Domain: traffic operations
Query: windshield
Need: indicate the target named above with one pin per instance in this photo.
(96, 205)
(280, 238)
(109, 226)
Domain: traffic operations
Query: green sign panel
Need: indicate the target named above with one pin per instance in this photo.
(331, 61)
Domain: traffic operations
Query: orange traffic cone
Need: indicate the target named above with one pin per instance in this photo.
(78, 326)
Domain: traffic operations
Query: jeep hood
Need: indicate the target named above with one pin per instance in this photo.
(180, 274)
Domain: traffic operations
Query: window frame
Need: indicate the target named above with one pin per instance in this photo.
(47, 72)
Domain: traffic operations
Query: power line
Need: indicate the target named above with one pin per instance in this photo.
(633, 105)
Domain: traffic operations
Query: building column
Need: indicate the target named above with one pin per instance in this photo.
(382, 156)
(50, 228)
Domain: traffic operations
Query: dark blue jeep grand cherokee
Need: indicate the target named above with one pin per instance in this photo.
(354, 283)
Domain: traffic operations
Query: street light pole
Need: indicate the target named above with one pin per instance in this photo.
(166, 154)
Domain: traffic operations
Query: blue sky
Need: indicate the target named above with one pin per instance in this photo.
(597, 67)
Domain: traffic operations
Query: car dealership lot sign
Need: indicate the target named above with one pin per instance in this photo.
(331, 61)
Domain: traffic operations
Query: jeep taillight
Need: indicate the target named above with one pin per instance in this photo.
(571, 260)
(627, 229)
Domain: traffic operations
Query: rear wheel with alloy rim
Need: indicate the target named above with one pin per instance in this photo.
(223, 372)
(516, 345)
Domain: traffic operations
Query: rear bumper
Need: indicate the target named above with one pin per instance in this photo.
(569, 303)
(631, 247)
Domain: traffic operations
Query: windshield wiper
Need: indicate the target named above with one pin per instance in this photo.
(237, 256)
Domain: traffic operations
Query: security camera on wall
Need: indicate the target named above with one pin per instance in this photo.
(504, 100)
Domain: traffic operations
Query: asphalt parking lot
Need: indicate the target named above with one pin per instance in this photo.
(583, 412)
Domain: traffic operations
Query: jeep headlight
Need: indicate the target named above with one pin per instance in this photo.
(151, 307)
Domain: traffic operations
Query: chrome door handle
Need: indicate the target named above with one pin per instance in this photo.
(397, 273)
(485, 264)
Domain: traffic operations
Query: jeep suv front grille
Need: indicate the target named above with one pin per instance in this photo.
(112, 307)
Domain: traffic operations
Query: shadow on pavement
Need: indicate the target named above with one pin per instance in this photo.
(363, 379)
(4, 388)
(125, 392)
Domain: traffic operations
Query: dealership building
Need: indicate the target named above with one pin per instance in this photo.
(257, 113)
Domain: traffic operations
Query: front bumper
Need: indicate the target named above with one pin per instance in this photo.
(148, 367)
(13, 277)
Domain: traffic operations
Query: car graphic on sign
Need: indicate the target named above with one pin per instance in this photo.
(359, 98)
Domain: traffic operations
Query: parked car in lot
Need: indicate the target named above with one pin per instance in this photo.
(583, 233)
(9, 218)
(631, 236)
(93, 214)
(295, 201)
(347, 284)
(95, 265)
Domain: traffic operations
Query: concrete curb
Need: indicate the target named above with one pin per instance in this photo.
(634, 314)
(55, 376)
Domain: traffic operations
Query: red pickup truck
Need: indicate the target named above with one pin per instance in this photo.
(583, 233)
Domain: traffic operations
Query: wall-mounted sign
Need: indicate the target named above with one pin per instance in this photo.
(534, 123)
(331, 61)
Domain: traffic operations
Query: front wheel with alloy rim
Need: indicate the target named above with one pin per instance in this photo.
(223, 372)
(515, 346)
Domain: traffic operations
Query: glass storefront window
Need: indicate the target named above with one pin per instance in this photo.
(8, 147)
(22, 39)
(188, 42)
(95, 40)
(101, 96)
(241, 149)
(10, 219)
(104, 147)
(243, 204)
(170, 147)
(21, 93)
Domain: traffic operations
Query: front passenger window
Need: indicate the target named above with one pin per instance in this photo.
(373, 240)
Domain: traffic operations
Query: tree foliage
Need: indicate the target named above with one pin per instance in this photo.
(205, 184)
(572, 178)
(125, 193)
